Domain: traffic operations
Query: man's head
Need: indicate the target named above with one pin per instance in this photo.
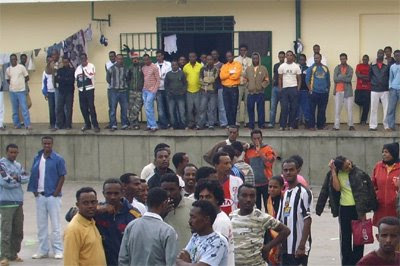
(131, 184)
(255, 58)
(65, 61)
(161, 158)
(222, 163)
(192, 58)
(215, 55)
(388, 51)
(289, 57)
(23, 59)
(135, 57)
(157, 201)
(229, 56)
(343, 164)
(316, 49)
(112, 56)
(210, 190)
(160, 56)
(163, 146)
(47, 144)
(289, 170)
(256, 137)
(189, 175)
(86, 201)
(237, 147)
(397, 56)
(112, 191)
(170, 183)
(13, 59)
(299, 162)
(365, 59)
(146, 60)
(12, 151)
(206, 172)
(343, 59)
(388, 234)
(174, 65)
(203, 58)
(281, 56)
(302, 59)
(55, 54)
(209, 61)
(380, 55)
(84, 59)
(180, 160)
(230, 151)
(182, 61)
(48, 59)
(202, 216)
(144, 191)
(120, 60)
(243, 48)
(247, 197)
(317, 59)
(233, 133)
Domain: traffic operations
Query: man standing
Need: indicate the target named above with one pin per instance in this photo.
(112, 217)
(316, 50)
(84, 75)
(389, 60)
(135, 101)
(161, 161)
(48, 91)
(182, 61)
(275, 93)
(2, 127)
(246, 62)
(257, 80)
(131, 187)
(23, 59)
(363, 88)
(65, 83)
(205, 247)
(117, 78)
(192, 73)
(208, 94)
(230, 78)
(180, 211)
(11, 201)
(343, 92)
(189, 178)
(162, 106)
(379, 75)
(230, 183)
(295, 212)
(46, 181)
(223, 122)
(303, 109)
(151, 83)
(289, 85)
(112, 55)
(149, 240)
(394, 91)
(82, 240)
(17, 76)
(148, 170)
(261, 158)
(180, 160)
(318, 82)
(249, 226)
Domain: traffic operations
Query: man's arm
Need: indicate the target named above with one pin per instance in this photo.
(108, 76)
(171, 247)
(298, 77)
(59, 186)
(123, 257)
(209, 155)
(283, 232)
(72, 247)
(301, 249)
(280, 81)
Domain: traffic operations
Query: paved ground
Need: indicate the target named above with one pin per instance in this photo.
(325, 246)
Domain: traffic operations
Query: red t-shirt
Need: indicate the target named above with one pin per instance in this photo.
(363, 84)
(372, 259)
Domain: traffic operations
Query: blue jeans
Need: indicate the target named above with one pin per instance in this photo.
(148, 102)
(49, 207)
(193, 108)
(118, 96)
(176, 107)
(109, 104)
(252, 100)
(231, 98)
(221, 109)
(51, 100)
(208, 108)
(303, 109)
(289, 102)
(319, 100)
(19, 99)
(275, 98)
(162, 108)
(394, 97)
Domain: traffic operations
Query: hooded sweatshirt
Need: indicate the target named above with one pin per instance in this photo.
(257, 77)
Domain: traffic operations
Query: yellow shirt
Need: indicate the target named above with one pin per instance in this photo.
(82, 243)
(346, 195)
(192, 74)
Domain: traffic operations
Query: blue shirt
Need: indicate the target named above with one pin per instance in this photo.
(319, 79)
(11, 192)
(394, 77)
(55, 169)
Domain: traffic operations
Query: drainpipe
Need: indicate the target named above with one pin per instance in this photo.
(298, 19)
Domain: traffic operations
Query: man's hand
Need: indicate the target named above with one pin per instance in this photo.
(265, 252)
(46, 98)
(36, 194)
(55, 194)
(185, 256)
(300, 252)
(105, 208)
(332, 165)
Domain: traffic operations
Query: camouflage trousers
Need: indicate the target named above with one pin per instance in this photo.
(134, 107)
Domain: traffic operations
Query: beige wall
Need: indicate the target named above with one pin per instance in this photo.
(338, 26)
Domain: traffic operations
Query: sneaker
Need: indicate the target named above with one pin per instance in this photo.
(4, 262)
(112, 129)
(211, 127)
(372, 129)
(29, 128)
(96, 129)
(136, 127)
(153, 129)
(270, 126)
(351, 128)
(53, 129)
(124, 127)
(107, 127)
(59, 256)
(17, 259)
(83, 129)
(335, 129)
(281, 129)
(39, 256)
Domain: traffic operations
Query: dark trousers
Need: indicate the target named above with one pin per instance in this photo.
(176, 108)
(363, 99)
(252, 100)
(162, 109)
(12, 231)
(65, 101)
(86, 103)
(320, 101)
(350, 254)
(231, 98)
(51, 100)
(261, 193)
(289, 260)
(289, 101)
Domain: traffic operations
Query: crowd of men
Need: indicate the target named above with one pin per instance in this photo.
(204, 93)
(235, 212)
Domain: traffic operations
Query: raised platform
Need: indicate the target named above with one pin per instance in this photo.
(97, 156)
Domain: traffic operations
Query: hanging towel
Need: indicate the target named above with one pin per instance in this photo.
(170, 44)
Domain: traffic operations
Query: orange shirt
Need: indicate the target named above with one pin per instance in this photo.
(262, 169)
(340, 85)
(230, 74)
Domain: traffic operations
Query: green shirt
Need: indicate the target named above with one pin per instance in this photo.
(346, 195)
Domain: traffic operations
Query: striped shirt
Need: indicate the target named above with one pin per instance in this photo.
(117, 77)
(294, 208)
(248, 232)
(151, 78)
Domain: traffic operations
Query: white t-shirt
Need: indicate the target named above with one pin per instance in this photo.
(148, 171)
(140, 206)
(289, 72)
(17, 75)
(223, 225)
(181, 182)
(210, 249)
(42, 170)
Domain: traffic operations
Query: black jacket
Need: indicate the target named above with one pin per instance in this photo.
(155, 180)
(65, 79)
(362, 188)
(379, 78)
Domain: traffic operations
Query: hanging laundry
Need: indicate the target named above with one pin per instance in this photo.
(89, 33)
(31, 63)
(3, 68)
(74, 46)
(4, 58)
(170, 44)
(37, 52)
